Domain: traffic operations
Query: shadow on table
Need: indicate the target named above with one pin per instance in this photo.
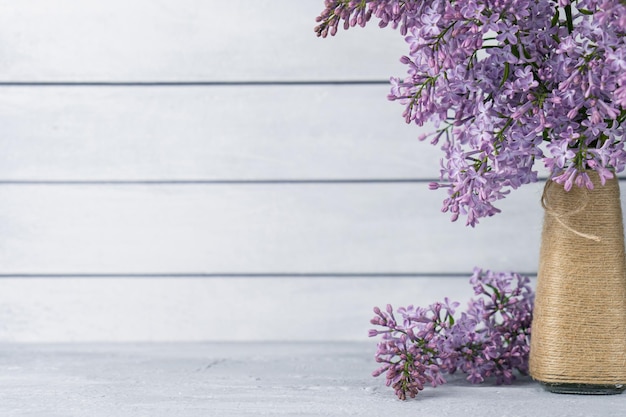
(458, 382)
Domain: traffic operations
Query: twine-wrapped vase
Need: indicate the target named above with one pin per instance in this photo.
(578, 342)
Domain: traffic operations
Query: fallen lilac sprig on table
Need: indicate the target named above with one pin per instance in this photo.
(490, 339)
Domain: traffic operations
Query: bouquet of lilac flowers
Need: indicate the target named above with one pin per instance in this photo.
(490, 339)
(506, 83)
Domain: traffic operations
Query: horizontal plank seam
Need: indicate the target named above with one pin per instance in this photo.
(313, 181)
(218, 182)
(249, 275)
(187, 83)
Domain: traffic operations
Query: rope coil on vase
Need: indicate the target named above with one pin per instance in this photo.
(579, 319)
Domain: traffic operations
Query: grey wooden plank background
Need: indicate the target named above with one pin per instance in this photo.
(214, 133)
(187, 40)
(344, 228)
(203, 170)
(188, 309)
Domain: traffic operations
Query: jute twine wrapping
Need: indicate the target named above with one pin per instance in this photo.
(579, 319)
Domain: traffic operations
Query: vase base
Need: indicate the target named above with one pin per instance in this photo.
(585, 389)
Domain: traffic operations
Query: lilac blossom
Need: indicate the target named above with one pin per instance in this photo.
(489, 340)
(507, 83)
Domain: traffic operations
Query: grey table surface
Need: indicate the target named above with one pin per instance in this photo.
(244, 379)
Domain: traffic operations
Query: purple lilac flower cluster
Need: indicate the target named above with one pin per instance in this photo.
(506, 83)
(490, 339)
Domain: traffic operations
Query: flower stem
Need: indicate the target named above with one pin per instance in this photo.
(568, 17)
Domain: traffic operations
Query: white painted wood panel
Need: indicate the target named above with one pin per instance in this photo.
(260, 132)
(185, 40)
(218, 309)
(226, 132)
(257, 229)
